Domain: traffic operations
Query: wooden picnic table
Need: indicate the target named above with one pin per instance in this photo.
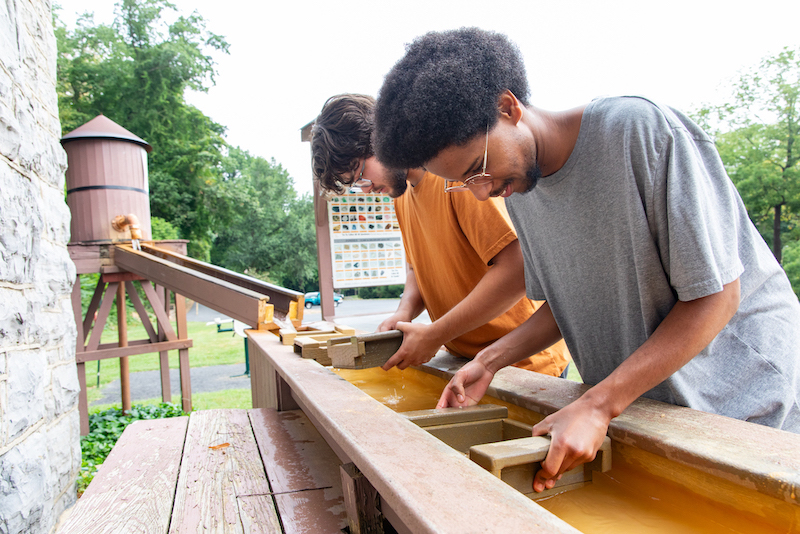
(217, 471)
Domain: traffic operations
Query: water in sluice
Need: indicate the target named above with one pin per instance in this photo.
(623, 500)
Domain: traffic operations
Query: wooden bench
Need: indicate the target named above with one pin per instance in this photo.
(216, 471)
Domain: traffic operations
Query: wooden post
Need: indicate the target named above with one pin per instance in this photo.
(183, 354)
(324, 267)
(163, 356)
(80, 339)
(124, 364)
(361, 501)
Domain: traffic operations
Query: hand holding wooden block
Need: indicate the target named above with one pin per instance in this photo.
(364, 351)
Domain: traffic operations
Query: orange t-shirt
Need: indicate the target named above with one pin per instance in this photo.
(450, 238)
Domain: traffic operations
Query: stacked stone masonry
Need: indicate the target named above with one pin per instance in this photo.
(39, 424)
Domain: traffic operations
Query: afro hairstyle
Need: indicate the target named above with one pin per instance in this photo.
(443, 92)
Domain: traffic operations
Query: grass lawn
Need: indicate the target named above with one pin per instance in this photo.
(210, 348)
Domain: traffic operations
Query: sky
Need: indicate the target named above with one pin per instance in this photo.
(287, 57)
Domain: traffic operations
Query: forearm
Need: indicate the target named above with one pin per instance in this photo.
(499, 289)
(686, 330)
(411, 303)
(534, 335)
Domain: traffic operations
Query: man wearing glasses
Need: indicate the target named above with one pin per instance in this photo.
(631, 232)
(467, 273)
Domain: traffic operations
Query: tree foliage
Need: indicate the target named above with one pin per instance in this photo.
(271, 231)
(237, 210)
(757, 134)
(136, 72)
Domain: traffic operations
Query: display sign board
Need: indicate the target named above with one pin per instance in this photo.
(366, 245)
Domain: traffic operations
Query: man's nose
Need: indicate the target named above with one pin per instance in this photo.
(482, 192)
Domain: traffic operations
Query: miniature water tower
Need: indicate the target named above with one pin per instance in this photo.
(108, 195)
(106, 177)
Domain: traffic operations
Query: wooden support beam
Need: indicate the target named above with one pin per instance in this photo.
(364, 351)
(516, 461)
(95, 302)
(361, 501)
(212, 286)
(183, 354)
(140, 309)
(131, 350)
(122, 337)
(161, 309)
(102, 316)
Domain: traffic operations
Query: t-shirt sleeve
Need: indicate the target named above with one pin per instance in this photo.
(486, 224)
(696, 216)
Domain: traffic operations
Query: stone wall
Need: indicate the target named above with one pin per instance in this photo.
(39, 424)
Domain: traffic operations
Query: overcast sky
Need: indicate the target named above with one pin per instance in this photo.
(287, 57)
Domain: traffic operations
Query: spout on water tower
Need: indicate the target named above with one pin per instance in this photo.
(122, 222)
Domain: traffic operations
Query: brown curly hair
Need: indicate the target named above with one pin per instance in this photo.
(340, 137)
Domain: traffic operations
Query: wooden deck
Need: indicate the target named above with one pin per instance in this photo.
(217, 471)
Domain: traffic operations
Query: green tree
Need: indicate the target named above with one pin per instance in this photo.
(136, 72)
(271, 230)
(757, 135)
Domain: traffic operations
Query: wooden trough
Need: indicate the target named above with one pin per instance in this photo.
(723, 475)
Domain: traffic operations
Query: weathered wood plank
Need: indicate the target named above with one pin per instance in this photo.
(258, 514)
(302, 469)
(133, 490)
(295, 456)
(364, 351)
(220, 464)
(308, 512)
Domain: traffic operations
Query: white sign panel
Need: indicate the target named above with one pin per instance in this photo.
(366, 245)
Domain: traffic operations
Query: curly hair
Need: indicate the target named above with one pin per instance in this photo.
(443, 92)
(340, 137)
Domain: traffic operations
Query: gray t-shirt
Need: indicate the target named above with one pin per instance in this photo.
(641, 215)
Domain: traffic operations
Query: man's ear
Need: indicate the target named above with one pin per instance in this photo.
(509, 107)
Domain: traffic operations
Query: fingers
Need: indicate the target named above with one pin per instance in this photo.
(551, 468)
(394, 360)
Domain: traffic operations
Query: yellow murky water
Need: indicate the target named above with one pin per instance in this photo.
(623, 500)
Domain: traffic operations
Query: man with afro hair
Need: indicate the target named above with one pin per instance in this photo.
(454, 273)
(631, 232)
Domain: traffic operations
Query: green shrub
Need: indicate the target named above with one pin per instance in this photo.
(381, 292)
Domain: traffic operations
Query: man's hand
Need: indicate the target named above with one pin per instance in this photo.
(577, 432)
(391, 322)
(467, 387)
(419, 345)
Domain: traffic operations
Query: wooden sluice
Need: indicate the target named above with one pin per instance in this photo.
(743, 477)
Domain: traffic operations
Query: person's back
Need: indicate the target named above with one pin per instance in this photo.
(660, 222)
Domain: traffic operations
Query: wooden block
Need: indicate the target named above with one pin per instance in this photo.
(445, 416)
(364, 351)
(345, 330)
(134, 488)
(288, 336)
(314, 346)
(516, 462)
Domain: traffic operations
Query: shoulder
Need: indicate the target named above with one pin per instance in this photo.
(644, 116)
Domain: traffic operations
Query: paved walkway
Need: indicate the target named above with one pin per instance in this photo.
(364, 315)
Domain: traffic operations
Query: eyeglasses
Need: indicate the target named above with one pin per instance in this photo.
(482, 178)
(360, 182)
